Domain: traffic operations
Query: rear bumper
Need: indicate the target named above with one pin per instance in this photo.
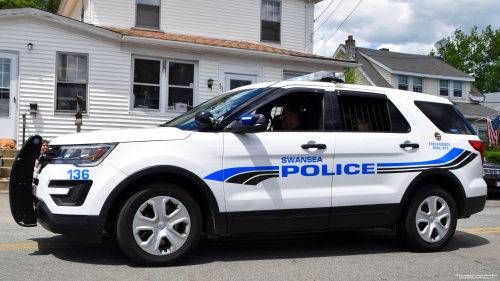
(473, 205)
(75, 228)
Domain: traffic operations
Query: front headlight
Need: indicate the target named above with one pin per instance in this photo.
(82, 155)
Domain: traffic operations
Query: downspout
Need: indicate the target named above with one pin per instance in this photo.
(307, 27)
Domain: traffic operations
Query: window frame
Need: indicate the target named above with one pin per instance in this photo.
(447, 89)
(485, 129)
(410, 83)
(452, 93)
(148, 27)
(373, 95)
(280, 18)
(164, 85)
(451, 89)
(87, 95)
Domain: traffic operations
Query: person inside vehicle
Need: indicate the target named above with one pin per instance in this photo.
(290, 118)
(361, 126)
(45, 146)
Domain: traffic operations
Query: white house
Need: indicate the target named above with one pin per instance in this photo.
(139, 63)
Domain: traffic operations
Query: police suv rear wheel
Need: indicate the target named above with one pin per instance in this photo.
(428, 222)
(159, 225)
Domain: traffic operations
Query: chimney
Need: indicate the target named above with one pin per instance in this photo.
(350, 46)
(384, 49)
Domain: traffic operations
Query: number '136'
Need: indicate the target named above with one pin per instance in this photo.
(78, 174)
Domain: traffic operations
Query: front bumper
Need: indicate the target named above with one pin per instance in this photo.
(74, 228)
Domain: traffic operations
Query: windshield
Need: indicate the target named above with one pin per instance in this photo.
(219, 106)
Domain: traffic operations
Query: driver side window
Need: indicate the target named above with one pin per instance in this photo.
(300, 111)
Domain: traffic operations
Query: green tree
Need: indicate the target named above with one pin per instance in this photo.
(46, 5)
(477, 54)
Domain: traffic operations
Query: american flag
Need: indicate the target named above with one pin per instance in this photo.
(493, 130)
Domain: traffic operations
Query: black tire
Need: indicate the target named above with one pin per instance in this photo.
(124, 228)
(407, 229)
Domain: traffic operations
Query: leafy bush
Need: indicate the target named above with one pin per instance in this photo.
(493, 157)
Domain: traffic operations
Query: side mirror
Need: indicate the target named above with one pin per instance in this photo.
(204, 118)
(253, 123)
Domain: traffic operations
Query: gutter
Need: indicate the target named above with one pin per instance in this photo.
(233, 51)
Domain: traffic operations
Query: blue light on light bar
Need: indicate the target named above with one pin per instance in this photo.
(454, 130)
(246, 118)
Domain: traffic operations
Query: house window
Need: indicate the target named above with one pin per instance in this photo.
(443, 88)
(482, 133)
(148, 14)
(410, 83)
(417, 84)
(158, 88)
(146, 88)
(270, 21)
(72, 76)
(180, 86)
(457, 89)
(403, 82)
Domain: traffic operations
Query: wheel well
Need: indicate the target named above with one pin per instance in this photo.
(448, 183)
(189, 185)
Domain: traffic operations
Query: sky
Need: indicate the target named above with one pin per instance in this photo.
(400, 25)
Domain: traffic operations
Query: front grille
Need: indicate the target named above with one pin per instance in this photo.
(492, 173)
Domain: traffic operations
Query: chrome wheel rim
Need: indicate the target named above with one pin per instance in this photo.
(161, 225)
(433, 219)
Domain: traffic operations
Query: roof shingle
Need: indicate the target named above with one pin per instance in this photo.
(216, 42)
(413, 63)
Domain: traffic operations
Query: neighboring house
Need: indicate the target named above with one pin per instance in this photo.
(139, 63)
(418, 73)
(492, 100)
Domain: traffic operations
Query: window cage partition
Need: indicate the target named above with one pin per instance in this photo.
(364, 114)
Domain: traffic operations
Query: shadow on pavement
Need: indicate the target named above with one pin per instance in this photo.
(256, 247)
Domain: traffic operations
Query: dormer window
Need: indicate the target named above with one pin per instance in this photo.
(148, 14)
(271, 21)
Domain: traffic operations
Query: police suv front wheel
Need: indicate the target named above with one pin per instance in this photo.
(428, 222)
(159, 225)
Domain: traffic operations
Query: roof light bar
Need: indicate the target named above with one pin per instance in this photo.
(321, 76)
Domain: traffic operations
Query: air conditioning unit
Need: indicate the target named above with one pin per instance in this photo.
(63, 105)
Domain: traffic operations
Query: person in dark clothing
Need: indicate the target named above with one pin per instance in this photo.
(290, 118)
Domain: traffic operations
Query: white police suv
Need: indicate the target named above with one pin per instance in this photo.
(289, 156)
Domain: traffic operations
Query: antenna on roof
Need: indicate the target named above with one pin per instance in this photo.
(440, 46)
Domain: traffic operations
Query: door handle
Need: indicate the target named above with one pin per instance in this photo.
(412, 145)
(318, 146)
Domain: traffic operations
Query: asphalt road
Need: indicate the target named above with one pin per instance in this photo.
(473, 254)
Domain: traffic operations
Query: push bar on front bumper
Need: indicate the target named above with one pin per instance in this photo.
(21, 182)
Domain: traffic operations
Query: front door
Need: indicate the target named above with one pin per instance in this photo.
(280, 180)
(238, 80)
(8, 95)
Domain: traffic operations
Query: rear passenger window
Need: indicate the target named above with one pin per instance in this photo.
(369, 113)
(446, 117)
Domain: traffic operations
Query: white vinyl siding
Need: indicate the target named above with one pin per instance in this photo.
(114, 13)
(394, 80)
(233, 20)
(431, 86)
(272, 74)
(208, 69)
(386, 74)
(108, 82)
